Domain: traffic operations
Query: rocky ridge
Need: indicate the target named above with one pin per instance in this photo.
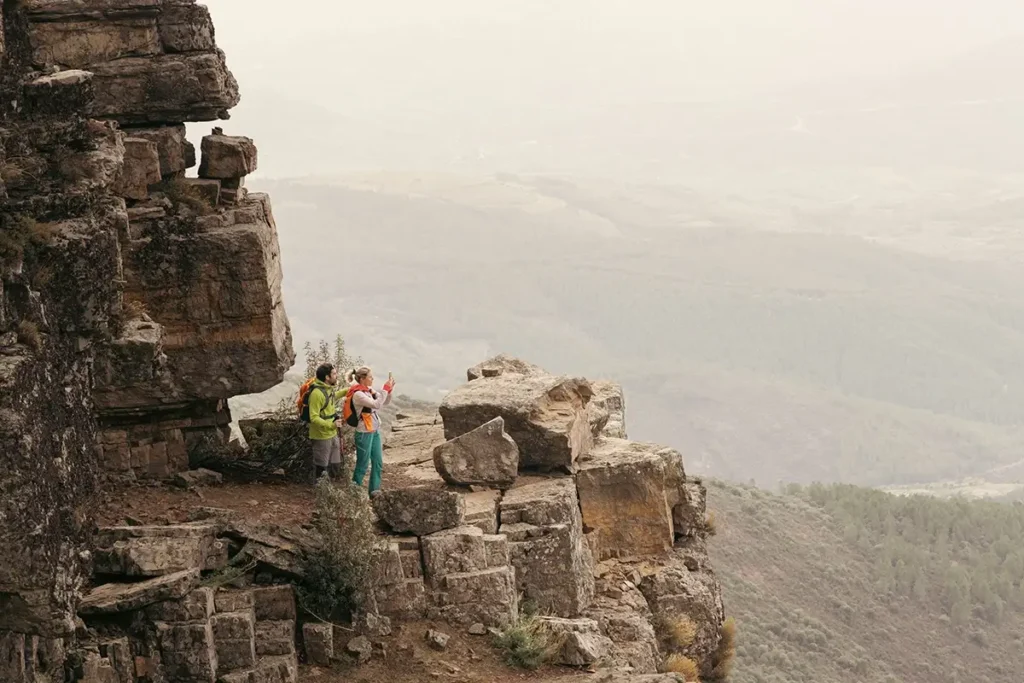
(133, 300)
(606, 536)
(612, 553)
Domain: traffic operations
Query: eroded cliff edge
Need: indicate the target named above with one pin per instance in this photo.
(133, 300)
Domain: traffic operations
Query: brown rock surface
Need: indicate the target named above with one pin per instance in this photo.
(227, 157)
(176, 153)
(159, 376)
(676, 590)
(141, 168)
(627, 492)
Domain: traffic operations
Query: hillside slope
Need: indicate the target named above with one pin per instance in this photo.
(817, 602)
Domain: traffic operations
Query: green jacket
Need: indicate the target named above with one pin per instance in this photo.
(323, 411)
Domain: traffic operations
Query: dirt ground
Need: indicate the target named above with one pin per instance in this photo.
(467, 659)
(405, 657)
(277, 502)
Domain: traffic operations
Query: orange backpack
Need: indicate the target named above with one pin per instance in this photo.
(302, 405)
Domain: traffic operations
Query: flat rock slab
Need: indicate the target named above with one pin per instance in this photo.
(546, 416)
(112, 598)
(420, 511)
(486, 456)
(503, 364)
(199, 477)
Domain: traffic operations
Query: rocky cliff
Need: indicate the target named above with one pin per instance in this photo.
(133, 300)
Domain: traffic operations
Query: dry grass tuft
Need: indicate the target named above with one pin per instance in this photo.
(135, 309)
(725, 655)
(29, 335)
(682, 632)
(528, 643)
(684, 666)
(710, 524)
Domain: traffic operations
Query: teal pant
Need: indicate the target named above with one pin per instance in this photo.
(368, 450)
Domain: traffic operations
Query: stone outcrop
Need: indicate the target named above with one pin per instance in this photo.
(154, 61)
(628, 491)
(470, 576)
(185, 631)
(133, 303)
(612, 550)
(545, 415)
(610, 400)
(554, 564)
(486, 456)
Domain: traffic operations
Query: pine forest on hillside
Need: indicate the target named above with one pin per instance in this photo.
(835, 583)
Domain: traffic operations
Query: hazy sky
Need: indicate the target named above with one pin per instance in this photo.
(350, 54)
(435, 83)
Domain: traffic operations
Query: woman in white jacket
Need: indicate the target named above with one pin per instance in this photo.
(361, 405)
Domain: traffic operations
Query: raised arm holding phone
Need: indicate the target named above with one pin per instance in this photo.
(360, 411)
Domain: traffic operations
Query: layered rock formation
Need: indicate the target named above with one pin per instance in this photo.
(133, 301)
(604, 535)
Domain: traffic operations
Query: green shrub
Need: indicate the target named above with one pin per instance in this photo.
(528, 643)
(339, 574)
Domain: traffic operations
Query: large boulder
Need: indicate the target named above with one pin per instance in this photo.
(583, 644)
(627, 492)
(554, 565)
(226, 157)
(546, 416)
(214, 285)
(419, 510)
(486, 456)
(175, 151)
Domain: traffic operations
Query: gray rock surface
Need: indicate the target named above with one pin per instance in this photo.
(486, 456)
(111, 598)
(554, 566)
(419, 510)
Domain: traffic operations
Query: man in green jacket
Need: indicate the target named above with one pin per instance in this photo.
(324, 420)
